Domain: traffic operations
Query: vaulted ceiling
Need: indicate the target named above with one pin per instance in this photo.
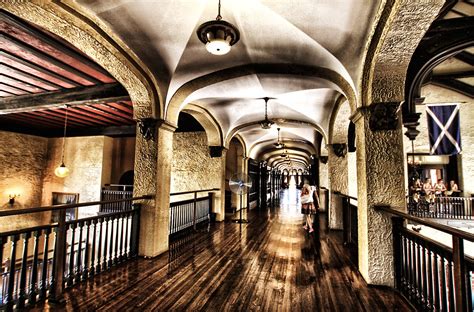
(304, 55)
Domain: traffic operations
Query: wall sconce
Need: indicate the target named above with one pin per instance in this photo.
(11, 199)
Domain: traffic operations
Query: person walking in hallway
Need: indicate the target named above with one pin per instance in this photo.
(307, 207)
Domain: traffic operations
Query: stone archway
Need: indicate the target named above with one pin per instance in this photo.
(379, 137)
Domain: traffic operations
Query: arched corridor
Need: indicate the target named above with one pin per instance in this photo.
(268, 264)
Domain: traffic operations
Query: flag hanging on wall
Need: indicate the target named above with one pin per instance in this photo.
(444, 129)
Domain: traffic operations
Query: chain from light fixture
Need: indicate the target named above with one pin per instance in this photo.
(62, 171)
(218, 35)
(278, 144)
(266, 123)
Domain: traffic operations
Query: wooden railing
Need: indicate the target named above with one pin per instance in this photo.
(349, 223)
(432, 276)
(441, 207)
(188, 213)
(116, 191)
(63, 253)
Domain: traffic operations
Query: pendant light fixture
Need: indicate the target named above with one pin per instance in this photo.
(62, 171)
(218, 35)
(266, 123)
(278, 144)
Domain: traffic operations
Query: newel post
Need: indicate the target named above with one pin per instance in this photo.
(459, 269)
(397, 225)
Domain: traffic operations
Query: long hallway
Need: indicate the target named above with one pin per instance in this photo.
(268, 264)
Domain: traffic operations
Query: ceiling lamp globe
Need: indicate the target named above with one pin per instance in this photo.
(218, 35)
(218, 46)
(62, 171)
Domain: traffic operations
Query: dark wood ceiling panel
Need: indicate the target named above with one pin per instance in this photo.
(5, 94)
(26, 77)
(32, 54)
(123, 106)
(13, 90)
(36, 70)
(40, 74)
(20, 84)
(52, 46)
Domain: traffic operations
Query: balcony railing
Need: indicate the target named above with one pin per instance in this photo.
(190, 212)
(116, 191)
(433, 277)
(45, 259)
(441, 207)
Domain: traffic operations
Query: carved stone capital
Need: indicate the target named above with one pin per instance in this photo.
(384, 116)
(216, 151)
(340, 149)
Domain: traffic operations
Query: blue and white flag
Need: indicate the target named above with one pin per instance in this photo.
(444, 129)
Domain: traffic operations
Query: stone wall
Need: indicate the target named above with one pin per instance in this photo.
(323, 175)
(84, 158)
(434, 94)
(22, 159)
(192, 166)
(123, 155)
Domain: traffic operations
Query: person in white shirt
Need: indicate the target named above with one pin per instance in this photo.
(307, 207)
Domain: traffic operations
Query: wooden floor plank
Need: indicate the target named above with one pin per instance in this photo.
(269, 264)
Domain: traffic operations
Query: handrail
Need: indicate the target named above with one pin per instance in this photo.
(344, 195)
(5, 213)
(191, 192)
(435, 225)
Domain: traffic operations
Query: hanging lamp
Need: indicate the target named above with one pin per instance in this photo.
(278, 144)
(62, 171)
(218, 35)
(266, 123)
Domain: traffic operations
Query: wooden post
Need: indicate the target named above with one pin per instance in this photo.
(135, 230)
(397, 224)
(459, 271)
(194, 211)
(56, 291)
(345, 220)
(211, 204)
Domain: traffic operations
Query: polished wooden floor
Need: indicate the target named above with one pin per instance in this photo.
(268, 264)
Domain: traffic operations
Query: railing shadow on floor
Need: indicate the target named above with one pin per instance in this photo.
(64, 253)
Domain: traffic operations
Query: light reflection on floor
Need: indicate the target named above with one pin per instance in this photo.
(290, 202)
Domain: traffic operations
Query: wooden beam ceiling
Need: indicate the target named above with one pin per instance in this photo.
(77, 96)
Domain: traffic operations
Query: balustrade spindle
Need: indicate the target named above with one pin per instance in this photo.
(78, 266)
(85, 271)
(117, 234)
(44, 267)
(450, 284)
(111, 248)
(104, 264)
(123, 217)
(11, 276)
(430, 281)
(22, 290)
(127, 242)
(70, 276)
(436, 279)
(34, 269)
(418, 265)
(444, 298)
(99, 249)
(424, 268)
(93, 251)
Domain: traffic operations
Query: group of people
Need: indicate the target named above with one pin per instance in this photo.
(437, 189)
(309, 205)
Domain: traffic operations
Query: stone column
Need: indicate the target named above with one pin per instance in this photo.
(380, 182)
(337, 168)
(153, 154)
